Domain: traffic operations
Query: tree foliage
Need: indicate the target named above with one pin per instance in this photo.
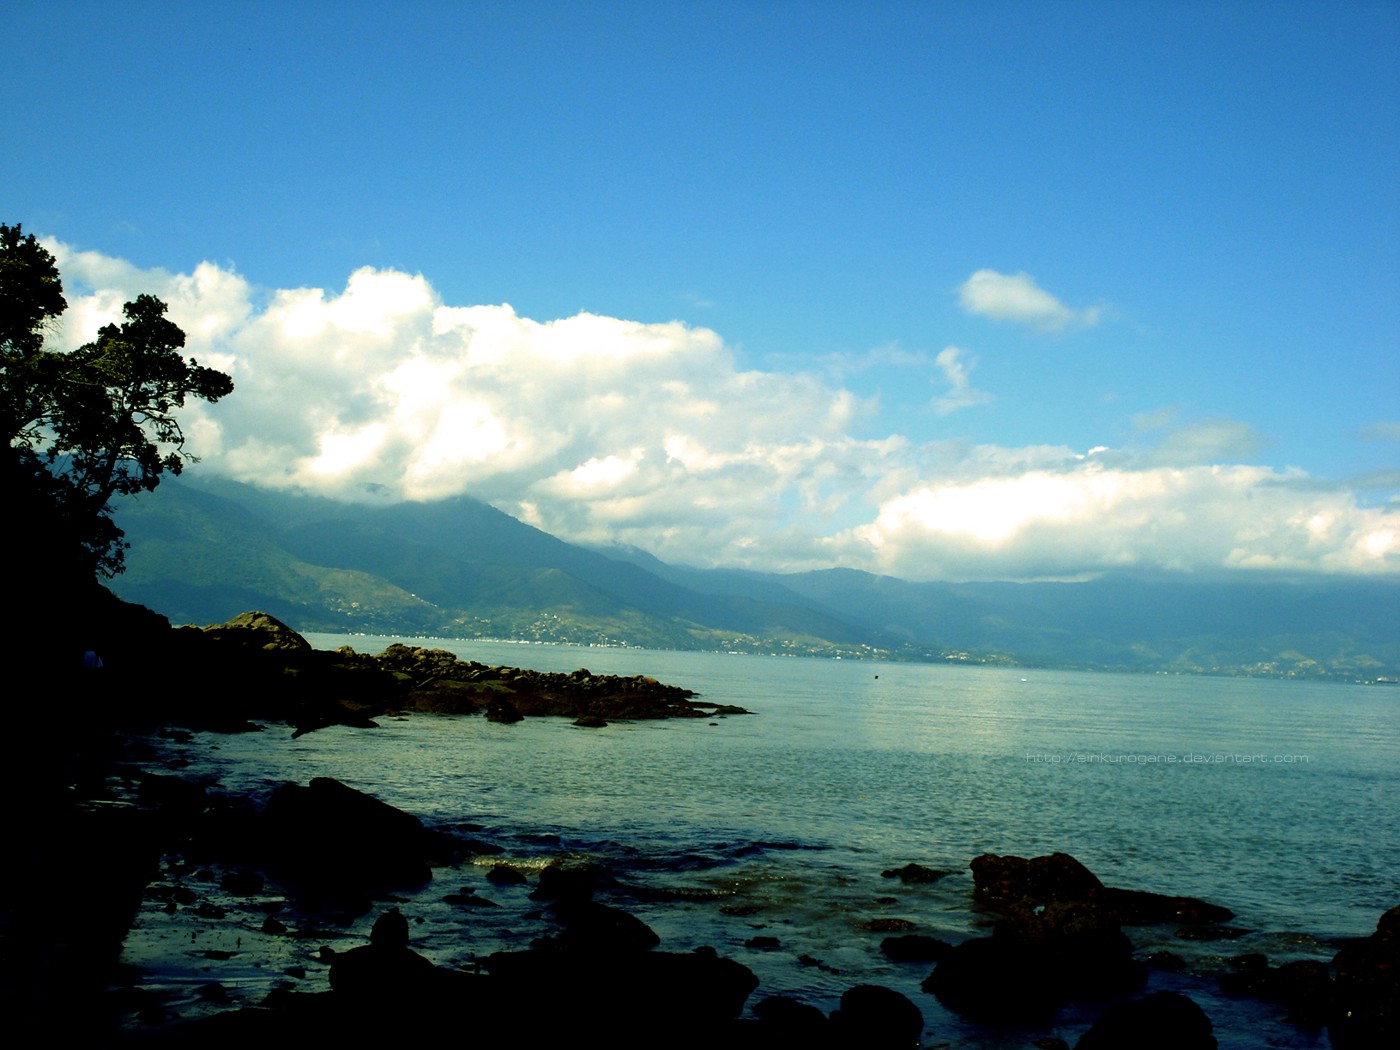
(96, 422)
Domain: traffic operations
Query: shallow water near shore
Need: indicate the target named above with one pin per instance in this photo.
(1275, 799)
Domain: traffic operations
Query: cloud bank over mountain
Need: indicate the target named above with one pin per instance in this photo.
(605, 430)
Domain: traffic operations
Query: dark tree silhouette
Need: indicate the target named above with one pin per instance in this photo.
(98, 422)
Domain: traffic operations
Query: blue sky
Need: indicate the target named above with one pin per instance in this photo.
(964, 290)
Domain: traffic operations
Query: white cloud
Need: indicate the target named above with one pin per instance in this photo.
(957, 365)
(1088, 518)
(600, 429)
(1018, 299)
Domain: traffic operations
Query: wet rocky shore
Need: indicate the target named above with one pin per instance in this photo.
(103, 830)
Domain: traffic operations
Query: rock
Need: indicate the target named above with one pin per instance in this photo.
(503, 711)
(996, 981)
(1168, 962)
(505, 875)
(444, 696)
(913, 873)
(1000, 882)
(914, 947)
(1160, 1021)
(1034, 963)
(785, 1023)
(386, 967)
(763, 944)
(509, 694)
(1004, 883)
(241, 883)
(566, 881)
(642, 998)
(1141, 908)
(468, 899)
(600, 929)
(258, 630)
(1251, 976)
(1366, 1008)
(887, 925)
(330, 840)
(873, 1017)
(591, 722)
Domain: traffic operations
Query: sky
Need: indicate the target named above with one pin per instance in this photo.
(946, 291)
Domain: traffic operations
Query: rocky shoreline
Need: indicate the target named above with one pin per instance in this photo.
(103, 831)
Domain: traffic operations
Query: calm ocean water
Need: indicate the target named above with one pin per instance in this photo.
(1276, 799)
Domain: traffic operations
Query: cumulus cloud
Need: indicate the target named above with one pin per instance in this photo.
(600, 429)
(1085, 517)
(1018, 299)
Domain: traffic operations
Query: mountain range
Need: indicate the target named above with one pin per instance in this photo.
(202, 552)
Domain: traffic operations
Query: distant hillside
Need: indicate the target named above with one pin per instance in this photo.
(458, 567)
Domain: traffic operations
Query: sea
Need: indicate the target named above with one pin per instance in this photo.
(767, 835)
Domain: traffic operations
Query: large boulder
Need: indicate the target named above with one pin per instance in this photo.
(632, 999)
(330, 840)
(1304, 986)
(1036, 961)
(259, 630)
(386, 966)
(1001, 882)
(1006, 883)
(1366, 1008)
(873, 1017)
(1160, 1021)
(600, 928)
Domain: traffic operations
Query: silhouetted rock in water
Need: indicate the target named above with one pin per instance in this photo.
(330, 840)
(641, 998)
(505, 875)
(1304, 987)
(914, 873)
(1366, 1010)
(873, 1017)
(1007, 882)
(503, 712)
(1036, 961)
(785, 1023)
(995, 980)
(384, 967)
(569, 881)
(1001, 882)
(601, 929)
(1160, 1021)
